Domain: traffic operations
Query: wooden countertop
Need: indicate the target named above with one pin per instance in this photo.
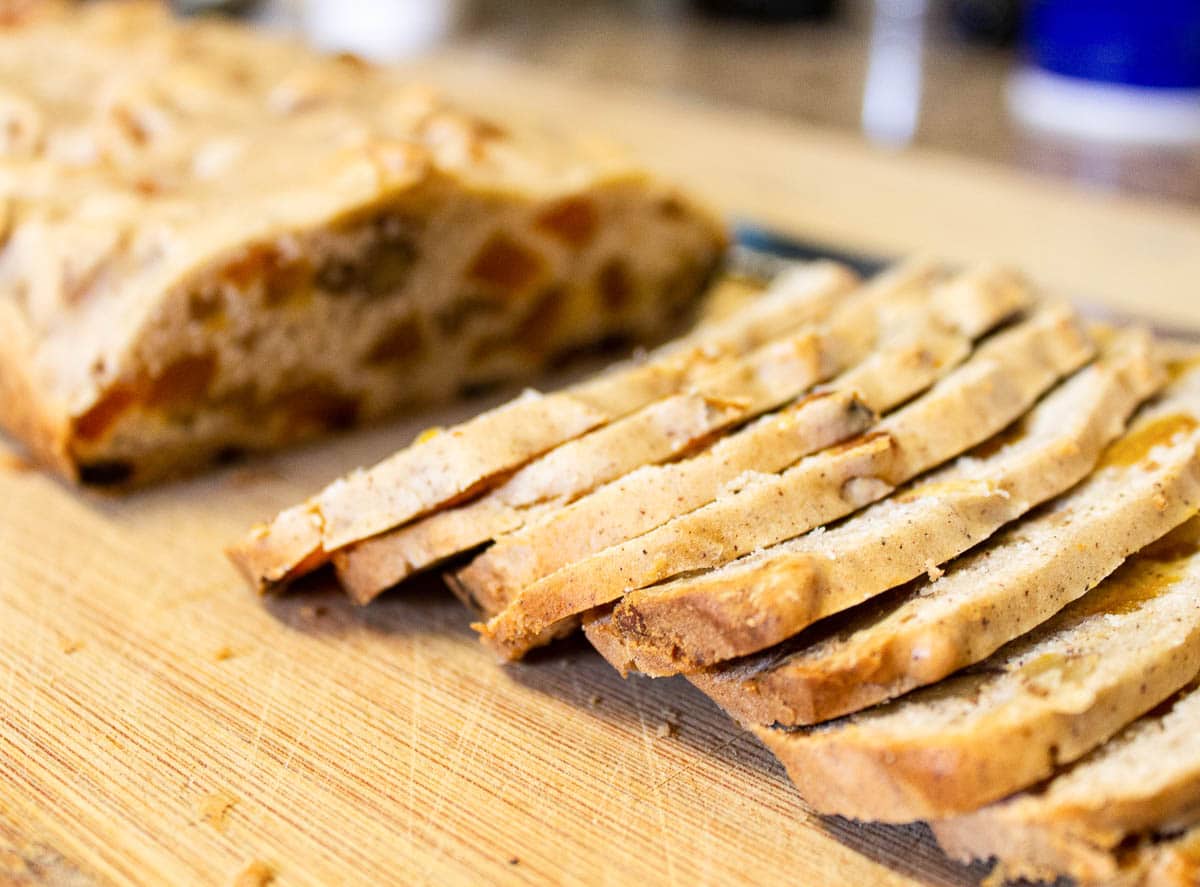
(160, 725)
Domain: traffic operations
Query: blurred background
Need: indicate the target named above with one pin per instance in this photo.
(1105, 93)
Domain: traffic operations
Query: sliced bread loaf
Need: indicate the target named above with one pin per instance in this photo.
(969, 405)
(757, 602)
(1041, 702)
(925, 632)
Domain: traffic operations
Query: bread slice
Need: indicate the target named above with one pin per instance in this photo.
(976, 400)
(446, 467)
(930, 630)
(762, 600)
(216, 241)
(1039, 703)
(889, 312)
(915, 349)
(1143, 781)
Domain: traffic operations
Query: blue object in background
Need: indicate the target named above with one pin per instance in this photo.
(1146, 43)
(1120, 71)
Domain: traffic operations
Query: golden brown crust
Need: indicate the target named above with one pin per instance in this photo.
(598, 629)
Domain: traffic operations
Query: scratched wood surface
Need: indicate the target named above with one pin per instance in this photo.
(160, 725)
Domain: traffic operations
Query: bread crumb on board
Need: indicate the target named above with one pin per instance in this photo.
(256, 874)
(669, 726)
(312, 612)
(215, 808)
(69, 645)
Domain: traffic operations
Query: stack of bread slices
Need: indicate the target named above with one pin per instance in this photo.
(931, 537)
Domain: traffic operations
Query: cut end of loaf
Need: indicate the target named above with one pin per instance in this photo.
(322, 331)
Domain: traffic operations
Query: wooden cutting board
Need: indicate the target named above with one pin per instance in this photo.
(161, 725)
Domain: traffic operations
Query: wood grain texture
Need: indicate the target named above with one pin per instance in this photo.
(160, 725)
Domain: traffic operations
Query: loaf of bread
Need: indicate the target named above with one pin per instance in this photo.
(214, 241)
(932, 540)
